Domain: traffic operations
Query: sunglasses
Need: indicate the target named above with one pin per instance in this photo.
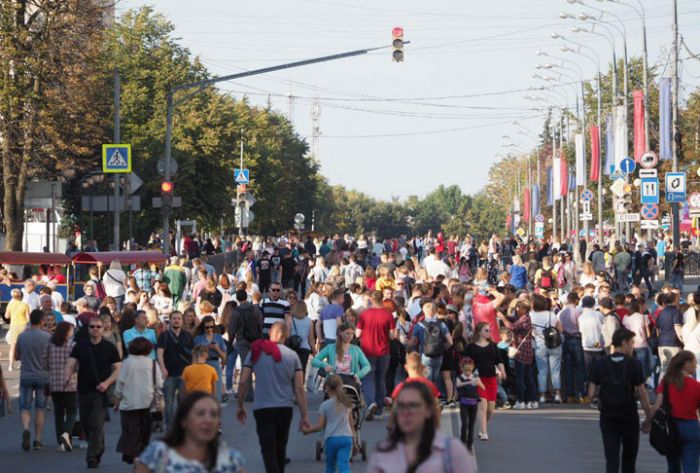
(208, 327)
(94, 326)
(274, 290)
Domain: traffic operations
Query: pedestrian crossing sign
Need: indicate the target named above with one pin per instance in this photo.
(116, 158)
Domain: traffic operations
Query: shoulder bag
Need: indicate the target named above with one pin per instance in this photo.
(663, 435)
(158, 401)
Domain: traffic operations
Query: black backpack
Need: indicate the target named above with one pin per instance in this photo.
(252, 328)
(616, 398)
(552, 337)
(663, 435)
(435, 341)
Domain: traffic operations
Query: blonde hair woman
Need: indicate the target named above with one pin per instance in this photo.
(587, 275)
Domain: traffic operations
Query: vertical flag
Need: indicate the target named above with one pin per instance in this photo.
(609, 143)
(595, 153)
(640, 144)
(556, 179)
(621, 137)
(564, 176)
(535, 202)
(572, 181)
(580, 161)
(665, 132)
(526, 204)
(550, 187)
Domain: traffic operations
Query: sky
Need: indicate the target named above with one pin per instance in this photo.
(444, 114)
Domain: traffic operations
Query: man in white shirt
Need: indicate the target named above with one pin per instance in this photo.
(56, 296)
(590, 324)
(29, 296)
(434, 265)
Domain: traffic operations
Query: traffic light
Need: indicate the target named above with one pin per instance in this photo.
(166, 196)
(397, 44)
(242, 202)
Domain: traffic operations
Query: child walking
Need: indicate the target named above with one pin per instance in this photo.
(335, 420)
(199, 376)
(467, 382)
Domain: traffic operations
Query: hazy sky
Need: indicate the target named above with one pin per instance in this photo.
(391, 129)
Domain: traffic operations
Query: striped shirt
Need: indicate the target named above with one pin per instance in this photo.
(273, 311)
(58, 356)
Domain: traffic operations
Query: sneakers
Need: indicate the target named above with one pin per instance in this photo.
(557, 399)
(25, 440)
(37, 445)
(519, 406)
(483, 436)
(542, 399)
(532, 405)
(370, 412)
(66, 442)
(60, 448)
(585, 400)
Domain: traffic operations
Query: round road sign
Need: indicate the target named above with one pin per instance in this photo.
(627, 165)
(650, 211)
(649, 160)
(586, 195)
(539, 218)
(694, 200)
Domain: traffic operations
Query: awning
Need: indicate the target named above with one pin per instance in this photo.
(19, 257)
(124, 257)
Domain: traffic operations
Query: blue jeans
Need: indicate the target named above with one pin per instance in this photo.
(575, 367)
(32, 390)
(374, 384)
(338, 450)
(432, 368)
(216, 364)
(230, 367)
(689, 456)
(525, 382)
(548, 361)
(173, 389)
(644, 357)
(676, 280)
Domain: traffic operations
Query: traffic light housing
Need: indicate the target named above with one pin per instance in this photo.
(397, 44)
(242, 202)
(166, 196)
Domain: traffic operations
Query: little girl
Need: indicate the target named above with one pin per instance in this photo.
(335, 421)
(467, 383)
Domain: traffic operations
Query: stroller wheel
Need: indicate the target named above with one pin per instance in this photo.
(363, 451)
(319, 450)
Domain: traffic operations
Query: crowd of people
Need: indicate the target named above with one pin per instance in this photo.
(414, 326)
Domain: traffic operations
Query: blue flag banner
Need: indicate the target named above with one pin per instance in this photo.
(550, 187)
(609, 144)
(665, 115)
(535, 201)
(572, 181)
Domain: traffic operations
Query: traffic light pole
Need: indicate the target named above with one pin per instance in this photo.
(203, 83)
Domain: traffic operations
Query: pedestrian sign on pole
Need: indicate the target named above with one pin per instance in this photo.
(241, 176)
(627, 165)
(649, 190)
(675, 187)
(116, 158)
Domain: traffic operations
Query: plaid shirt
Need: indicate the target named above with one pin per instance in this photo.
(522, 333)
(57, 358)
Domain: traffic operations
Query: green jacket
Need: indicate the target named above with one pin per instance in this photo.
(359, 365)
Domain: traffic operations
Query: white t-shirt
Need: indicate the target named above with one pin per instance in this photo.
(590, 323)
(637, 323)
(691, 338)
(113, 281)
(540, 320)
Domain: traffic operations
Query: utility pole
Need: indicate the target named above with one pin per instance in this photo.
(117, 139)
(600, 169)
(676, 125)
(240, 208)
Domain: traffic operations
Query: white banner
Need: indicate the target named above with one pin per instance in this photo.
(556, 177)
(621, 144)
(580, 160)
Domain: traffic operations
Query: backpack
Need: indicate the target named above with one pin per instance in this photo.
(252, 329)
(616, 392)
(547, 280)
(552, 337)
(435, 341)
(663, 435)
(561, 276)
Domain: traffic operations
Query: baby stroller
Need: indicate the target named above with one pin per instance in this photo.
(354, 393)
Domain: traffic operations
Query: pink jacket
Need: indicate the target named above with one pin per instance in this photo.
(395, 461)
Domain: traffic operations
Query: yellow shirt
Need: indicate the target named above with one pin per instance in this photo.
(385, 283)
(200, 377)
(18, 312)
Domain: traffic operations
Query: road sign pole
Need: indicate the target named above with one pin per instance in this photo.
(117, 139)
(240, 216)
(168, 140)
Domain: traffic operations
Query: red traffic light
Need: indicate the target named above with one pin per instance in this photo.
(166, 187)
(397, 32)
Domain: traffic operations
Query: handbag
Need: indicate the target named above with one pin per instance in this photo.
(158, 401)
(294, 341)
(663, 435)
(512, 351)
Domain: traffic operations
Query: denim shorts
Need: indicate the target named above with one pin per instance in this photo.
(32, 388)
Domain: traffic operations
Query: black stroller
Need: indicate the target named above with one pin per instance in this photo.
(354, 393)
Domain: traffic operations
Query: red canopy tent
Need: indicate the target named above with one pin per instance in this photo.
(20, 257)
(124, 257)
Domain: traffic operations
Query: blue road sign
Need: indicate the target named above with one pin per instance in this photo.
(628, 165)
(587, 195)
(116, 158)
(675, 187)
(649, 190)
(650, 211)
(241, 176)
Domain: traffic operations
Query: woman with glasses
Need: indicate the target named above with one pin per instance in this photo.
(488, 362)
(416, 443)
(206, 335)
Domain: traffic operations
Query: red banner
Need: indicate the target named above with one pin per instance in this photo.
(526, 205)
(595, 153)
(640, 145)
(564, 177)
